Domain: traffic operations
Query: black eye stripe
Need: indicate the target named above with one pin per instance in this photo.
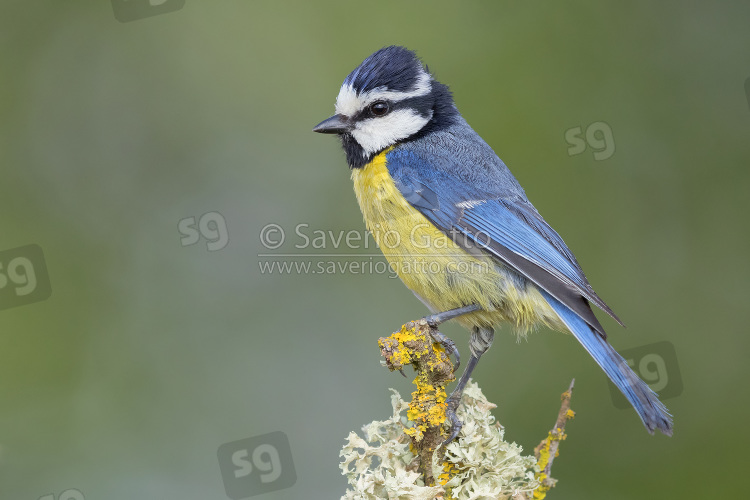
(421, 104)
(366, 112)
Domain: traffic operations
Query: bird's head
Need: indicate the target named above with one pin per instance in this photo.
(387, 99)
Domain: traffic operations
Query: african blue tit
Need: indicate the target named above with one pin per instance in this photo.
(456, 226)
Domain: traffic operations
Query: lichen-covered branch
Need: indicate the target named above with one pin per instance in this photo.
(397, 458)
(413, 345)
(546, 451)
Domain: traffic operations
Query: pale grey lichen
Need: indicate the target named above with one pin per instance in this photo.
(479, 464)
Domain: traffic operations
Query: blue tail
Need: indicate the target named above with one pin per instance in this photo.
(645, 401)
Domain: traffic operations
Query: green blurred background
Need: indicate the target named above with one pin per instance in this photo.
(149, 354)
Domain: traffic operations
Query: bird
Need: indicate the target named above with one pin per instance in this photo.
(458, 228)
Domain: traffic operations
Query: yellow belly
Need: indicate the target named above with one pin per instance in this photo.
(437, 269)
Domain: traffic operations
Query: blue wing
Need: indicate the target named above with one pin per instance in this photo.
(500, 221)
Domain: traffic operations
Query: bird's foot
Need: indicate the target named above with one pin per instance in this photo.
(448, 345)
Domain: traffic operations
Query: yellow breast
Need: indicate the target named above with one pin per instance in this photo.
(431, 264)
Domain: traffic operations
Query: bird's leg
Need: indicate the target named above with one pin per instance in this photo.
(481, 340)
(435, 319)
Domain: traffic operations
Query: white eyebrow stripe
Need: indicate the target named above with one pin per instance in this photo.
(422, 87)
(348, 103)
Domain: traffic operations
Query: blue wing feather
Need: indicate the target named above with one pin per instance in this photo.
(502, 222)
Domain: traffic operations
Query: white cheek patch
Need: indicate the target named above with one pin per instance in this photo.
(378, 133)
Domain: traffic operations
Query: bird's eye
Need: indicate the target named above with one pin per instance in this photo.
(379, 108)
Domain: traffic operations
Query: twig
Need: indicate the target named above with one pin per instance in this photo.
(546, 451)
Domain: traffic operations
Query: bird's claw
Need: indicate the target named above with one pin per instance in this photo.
(448, 345)
(456, 424)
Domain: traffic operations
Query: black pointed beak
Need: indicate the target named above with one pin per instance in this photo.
(337, 124)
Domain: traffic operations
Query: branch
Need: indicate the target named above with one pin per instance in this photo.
(413, 345)
(398, 459)
(546, 451)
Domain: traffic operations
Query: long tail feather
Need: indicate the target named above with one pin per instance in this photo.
(646, 402)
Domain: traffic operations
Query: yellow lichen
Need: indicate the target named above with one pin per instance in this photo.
(427, 408)
(542, 490)
(449, 471)
(543, 452)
